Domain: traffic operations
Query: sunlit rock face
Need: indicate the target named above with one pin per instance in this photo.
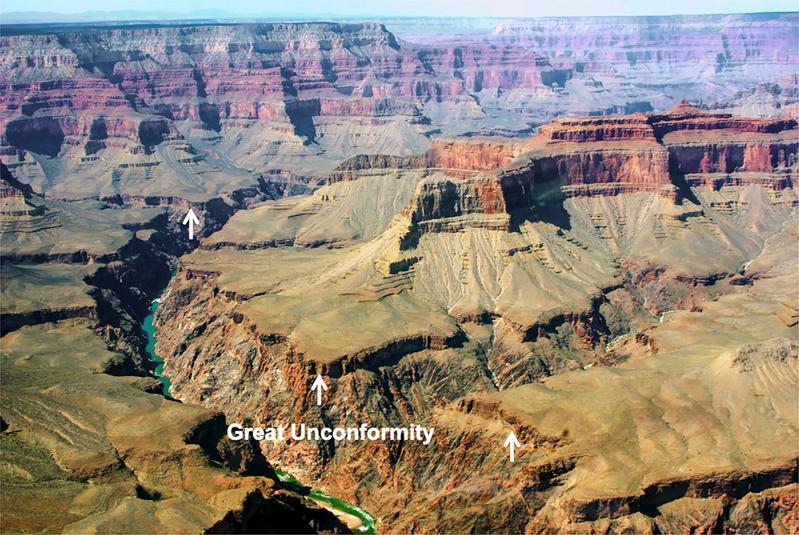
(204, 110)
(582, 231)
(593, 272)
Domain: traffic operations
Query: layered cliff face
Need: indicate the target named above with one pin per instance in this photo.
(658, 150)
(199, 111)
(136, 108)
(589, 156)
(87, 440)
(593, 295)
(619, 64)
(619, 291)
(621, 39)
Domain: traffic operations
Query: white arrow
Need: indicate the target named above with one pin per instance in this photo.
(191, 219)
(319, 385)
(513, 443)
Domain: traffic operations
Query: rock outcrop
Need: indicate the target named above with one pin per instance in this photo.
(476, 297)
(617, 290)
(208, 109)
(133, 459)
(665, 153)
(83, 420)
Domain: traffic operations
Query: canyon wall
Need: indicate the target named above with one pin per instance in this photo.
(207, 109)
(77, 281)
(590, 268)
(617, 290)
(592, 156)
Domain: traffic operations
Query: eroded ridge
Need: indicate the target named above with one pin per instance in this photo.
(88, 442)
(619, 270)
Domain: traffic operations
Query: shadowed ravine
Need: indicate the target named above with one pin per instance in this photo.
(286, 479)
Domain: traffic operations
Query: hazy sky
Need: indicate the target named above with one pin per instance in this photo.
(467, 8)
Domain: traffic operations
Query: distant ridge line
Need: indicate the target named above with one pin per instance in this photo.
(20, 26)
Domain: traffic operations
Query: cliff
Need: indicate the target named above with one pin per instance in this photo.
(246, 331)
(151, 459)
(664, 153)
(125, 107)
(476, 295)
(77, 281)
(617, 290)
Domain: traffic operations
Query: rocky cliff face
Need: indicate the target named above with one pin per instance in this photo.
(666, 35)
(460, 157)
(481, 301)
(593, 156)
(77, 280)
(619, 291)
(146, 462)
(123, 108)
(128, 91)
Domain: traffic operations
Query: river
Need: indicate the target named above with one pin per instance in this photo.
(337, 506)
(150, 331)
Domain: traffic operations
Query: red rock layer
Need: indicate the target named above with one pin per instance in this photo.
(581, 130)
(685, 117)
(597, 156)
(469, 155)
(297, 78)
(478, 155)
(643, 152)
(586, 157)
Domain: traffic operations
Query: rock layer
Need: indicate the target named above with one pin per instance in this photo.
(595, 268)
(82, 434)
(619, 291)
(202, 110)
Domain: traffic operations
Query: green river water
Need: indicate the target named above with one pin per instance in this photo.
(289, 481)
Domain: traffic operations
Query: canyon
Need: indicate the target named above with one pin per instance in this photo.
(195, 111)
(487, 293)
(582, 231)
(84, 429)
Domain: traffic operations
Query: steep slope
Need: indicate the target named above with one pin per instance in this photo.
(569, 266)
(205, 110)
(106, 455)
(87, 441)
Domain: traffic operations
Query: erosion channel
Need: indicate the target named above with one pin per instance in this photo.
(336, 505)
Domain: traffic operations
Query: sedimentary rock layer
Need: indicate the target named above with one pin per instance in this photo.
(595, 279)
(619, 291)
(83, 422)
(207, 109)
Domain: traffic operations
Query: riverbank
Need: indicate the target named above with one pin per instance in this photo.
(337, 506)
